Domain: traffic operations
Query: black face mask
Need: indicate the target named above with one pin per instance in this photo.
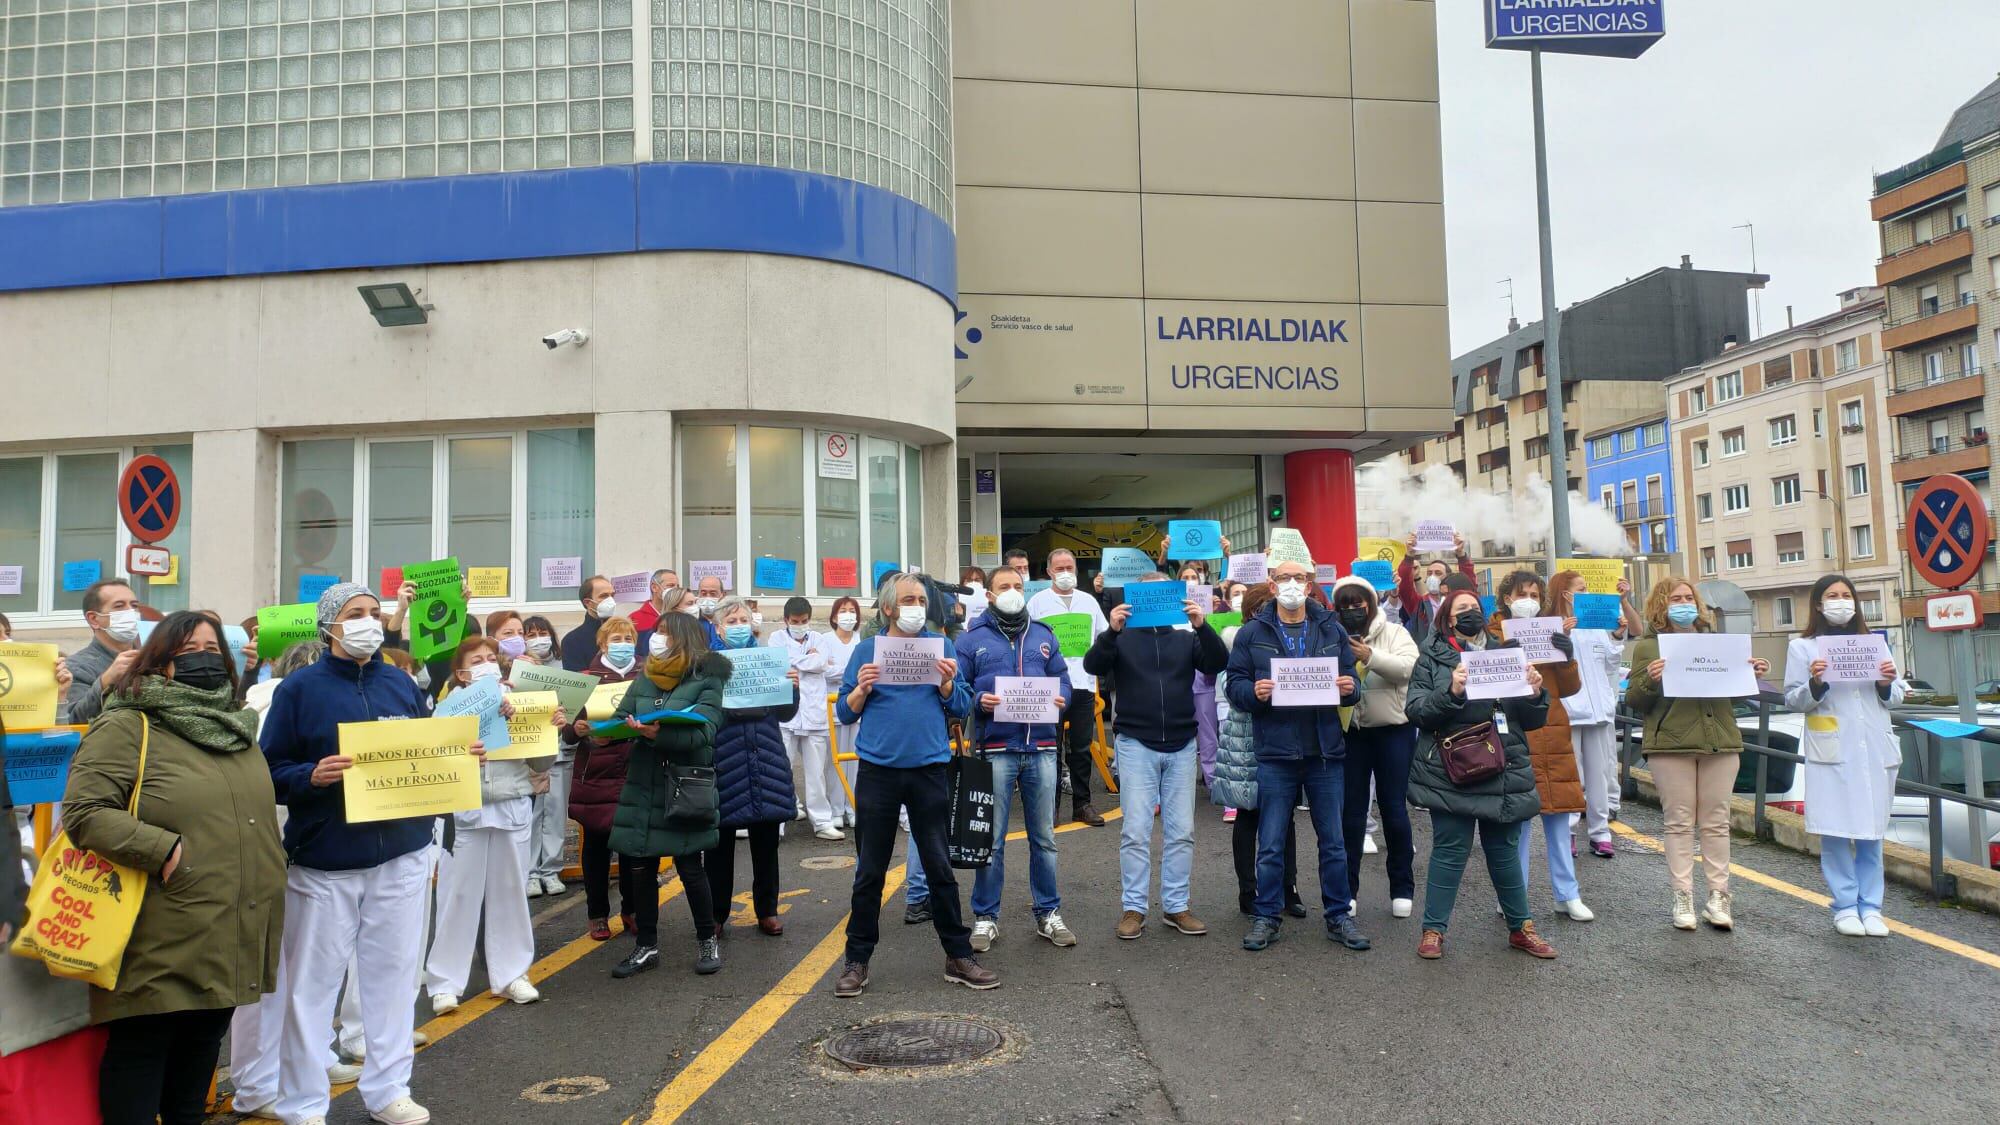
(203, 671)
(1354, 619)
(1470, 622)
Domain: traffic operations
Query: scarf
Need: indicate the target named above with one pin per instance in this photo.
(212, 720)
(1011, 625)
(666, 671)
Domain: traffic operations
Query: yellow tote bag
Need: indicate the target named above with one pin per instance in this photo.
(82, 907)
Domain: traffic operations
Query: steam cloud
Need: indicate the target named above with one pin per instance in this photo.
(1391, 498)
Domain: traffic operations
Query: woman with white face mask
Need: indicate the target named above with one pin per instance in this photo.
(838, 644)
(1851, 752)
(551, 829)
(1558, 777)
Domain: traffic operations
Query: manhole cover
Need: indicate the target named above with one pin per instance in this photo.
(914, 1043)
(826, 862)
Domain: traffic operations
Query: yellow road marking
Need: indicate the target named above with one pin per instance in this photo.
(728, 1048)
(1936, 941)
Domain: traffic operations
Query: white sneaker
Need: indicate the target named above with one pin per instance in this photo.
(743, 833)
(1848, 924)
(1576, 910)
(1353, 906)
(419, 1039)
(520, 991)
(829, 833)
(534, 887)
(402, 1111)
(1873, 925)
(266, 1112)
(444, 1003)
(1400, 907)
(310, 1120)
(340, 1074)
(552, 885)
(1716, 913)
(1683, 910)
(1052, 928)
(1368, 846)
(800, 812)
(984, 933)
(847, 818)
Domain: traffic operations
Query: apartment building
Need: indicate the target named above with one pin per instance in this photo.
(1628, 470)
(1939, 222)
(1781, 458)
(1616, 348)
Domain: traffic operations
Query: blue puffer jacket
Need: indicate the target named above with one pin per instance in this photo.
(753, 775)
(985, 654)
(1234, 785)
(1285, 733)
(303, 726)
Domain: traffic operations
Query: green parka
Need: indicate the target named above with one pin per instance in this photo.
(1679, 726)
(639, 825)
(1508, 797)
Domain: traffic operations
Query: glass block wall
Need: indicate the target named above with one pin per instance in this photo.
(859, 89)
(106, 99)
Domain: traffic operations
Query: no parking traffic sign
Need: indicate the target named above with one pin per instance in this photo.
(1946, 531)
(149, 499)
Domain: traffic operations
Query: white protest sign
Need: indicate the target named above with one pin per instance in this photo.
(1249, 569)
(632, 589)
(1202, 596)
(1707, 665)
(10, 581)
(1534, 634)
(1853, 659)
(1496, 673)
(721, 569)
(1287, 545)
(1026, 699)
(909, 660)
(837, 457)
(1312, 682)
(1326, 574)
(562, 574)
(974, 603)
(1436, 535)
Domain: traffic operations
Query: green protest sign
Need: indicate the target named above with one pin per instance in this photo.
(437, 613)
(1221, 621)
(572, 688)
(279, 627)
(1072, 632)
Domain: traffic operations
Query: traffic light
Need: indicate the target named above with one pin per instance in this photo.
(1274, 507)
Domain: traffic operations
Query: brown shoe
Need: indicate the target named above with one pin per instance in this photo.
(771, 926)
(1187, 923)
(970, 973)
(853, 978)
(1088, 814)
(1529, 942)
(1431, 946)
(1131, 924)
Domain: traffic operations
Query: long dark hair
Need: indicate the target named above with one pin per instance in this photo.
(156, 656)
(1816, 622)
(684, 634)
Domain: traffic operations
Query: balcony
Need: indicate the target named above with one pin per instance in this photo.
(1948, 455)
(1924, 257)
(1931, 323)
(1954, 387)
(1926, 187)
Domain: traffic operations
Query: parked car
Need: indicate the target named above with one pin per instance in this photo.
(1918, 691)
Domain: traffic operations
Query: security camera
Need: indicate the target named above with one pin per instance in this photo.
(576, 336)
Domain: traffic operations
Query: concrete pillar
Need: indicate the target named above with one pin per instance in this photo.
(941, 509)
(635, 491)
(233, 503)
(1319, 502)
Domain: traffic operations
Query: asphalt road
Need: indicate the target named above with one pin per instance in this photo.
(1780, 1020)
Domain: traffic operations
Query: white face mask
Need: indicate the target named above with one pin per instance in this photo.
(122, 625)
(845, 621)
(607, 607)
(1236, 603)
(487, 671)
(656, 645)
(1063, 580)
(910, 618)
(706, 605)
(539, 645)
(1431, 584)
(423, 679)
(757, 620)
(1010, 602)
(361, 637)
(1838, 610)
(1524, 607)
(798, 632)
(1291, 593)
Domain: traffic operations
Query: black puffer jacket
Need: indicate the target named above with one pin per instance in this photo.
(1507, 798)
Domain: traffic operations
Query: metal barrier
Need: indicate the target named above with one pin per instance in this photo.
(1100, 753)
(1943, 886)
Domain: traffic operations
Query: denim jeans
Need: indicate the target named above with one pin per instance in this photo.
(1562, 865)
(1853, 870)
(1146, 777)
(1384, 754)
(1279, 783)
(1035, 773)
(1451, 845)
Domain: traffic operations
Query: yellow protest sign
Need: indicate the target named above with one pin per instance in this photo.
(986, 546)
(532, 726)
(1370, 548)
(1600, 576)
(173, 575)
(27, 685)
(487, 581)
(604, 701)
(411, 767)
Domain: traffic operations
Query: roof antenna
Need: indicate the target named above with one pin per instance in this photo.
(1513, 322)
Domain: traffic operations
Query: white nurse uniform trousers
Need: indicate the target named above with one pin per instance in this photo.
(485, 872)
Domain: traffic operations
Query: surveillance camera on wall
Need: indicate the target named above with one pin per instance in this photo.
(576, 336)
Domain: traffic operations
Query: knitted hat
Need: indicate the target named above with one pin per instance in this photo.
(336, 598)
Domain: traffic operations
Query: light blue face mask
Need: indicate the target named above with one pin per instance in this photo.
(739, 636)
(1682, 614)
(620, 652)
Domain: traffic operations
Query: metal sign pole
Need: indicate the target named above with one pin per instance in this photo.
(1551, 333)
(1974, 751)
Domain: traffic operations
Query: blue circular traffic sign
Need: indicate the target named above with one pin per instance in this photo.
(149, 499)
(1947, 531)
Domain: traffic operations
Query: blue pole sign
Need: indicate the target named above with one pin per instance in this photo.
(1619, 29)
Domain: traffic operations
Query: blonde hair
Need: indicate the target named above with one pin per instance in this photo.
(1656, 605)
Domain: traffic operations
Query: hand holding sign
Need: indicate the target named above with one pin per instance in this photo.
(1154, 604)
(1707, 665)
(1436, 535)
(437, 617)
(1312, 682)
(1026, 699)
(1125, 565)
(1854, 659)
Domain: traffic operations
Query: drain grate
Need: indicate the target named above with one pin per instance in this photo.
(910, 1043)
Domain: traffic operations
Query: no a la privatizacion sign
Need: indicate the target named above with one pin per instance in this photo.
(1615, 28)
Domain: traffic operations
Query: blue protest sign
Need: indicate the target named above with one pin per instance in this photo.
(1124, 565)
(1194, 539)
(1378, 573)
(775, 574)
(1487, 603)
(1596, 611)
(1156, 603)
(78, 576)
(38, 765)
(311, 586)
(1036, 587)
(758, 677)
(1943, 728)
(883, 570)
(480, 698)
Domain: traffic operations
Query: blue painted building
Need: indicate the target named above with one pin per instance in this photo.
(1628, 471)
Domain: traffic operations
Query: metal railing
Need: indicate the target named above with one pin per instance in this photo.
(1943, 886)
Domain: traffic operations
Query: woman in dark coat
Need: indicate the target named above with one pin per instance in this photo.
(598, 779)
(753, 780)
(1496, 806)
(681, 674)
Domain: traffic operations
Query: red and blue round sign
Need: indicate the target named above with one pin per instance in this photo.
(1946, 531)
(149, 499)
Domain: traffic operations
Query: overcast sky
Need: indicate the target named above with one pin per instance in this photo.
(1774, 112)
